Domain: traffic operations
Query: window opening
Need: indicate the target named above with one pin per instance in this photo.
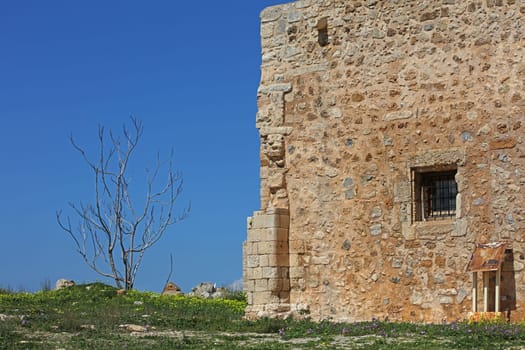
(322, 31)
(434, 195)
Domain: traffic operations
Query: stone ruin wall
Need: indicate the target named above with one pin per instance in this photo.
(355, 94)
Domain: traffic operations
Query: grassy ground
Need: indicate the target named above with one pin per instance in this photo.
(94, 317)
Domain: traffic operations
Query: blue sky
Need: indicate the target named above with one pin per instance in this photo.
(188, 69)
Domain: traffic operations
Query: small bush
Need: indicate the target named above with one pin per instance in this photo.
(238, 295)
(7, 290)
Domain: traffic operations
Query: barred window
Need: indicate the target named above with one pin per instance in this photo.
(434, 195)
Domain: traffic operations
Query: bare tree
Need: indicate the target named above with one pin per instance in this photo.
(113, 230)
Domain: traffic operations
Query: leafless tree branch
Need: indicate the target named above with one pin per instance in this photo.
(112, 230)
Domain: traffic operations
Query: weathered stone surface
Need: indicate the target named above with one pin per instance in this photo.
(355, 99)
(203, 290)
(207, 290)
(171, 289)
(271, 14)
(375, 229)
(397, 115)
(64, 283)
(134, 328)
(502, 143)
(462, 294)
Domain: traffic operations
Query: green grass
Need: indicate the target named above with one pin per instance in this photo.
(91, 317)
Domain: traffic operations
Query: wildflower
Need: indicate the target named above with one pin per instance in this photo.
(309, 331)
(24, 322)
(281, 332)
(345, 331)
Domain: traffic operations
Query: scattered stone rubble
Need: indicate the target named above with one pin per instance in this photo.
(208, 290)
(171, 289)
(64, 283)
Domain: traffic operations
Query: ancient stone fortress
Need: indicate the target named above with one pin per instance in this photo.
(392, 142)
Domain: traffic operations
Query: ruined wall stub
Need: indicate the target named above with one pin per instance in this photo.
(356, 99)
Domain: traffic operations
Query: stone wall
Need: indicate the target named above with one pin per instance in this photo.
(356, 95)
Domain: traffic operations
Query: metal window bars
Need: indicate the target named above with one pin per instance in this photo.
(434, 195)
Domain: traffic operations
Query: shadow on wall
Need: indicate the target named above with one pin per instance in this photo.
(508, 283)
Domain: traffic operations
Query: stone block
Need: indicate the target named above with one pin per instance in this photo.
(296, 260)
(264, 221)
(264, 260)
(270, 272)
(459, 204)
(284, 298)
(278, 260)
(397, 263)
(271, 14)
(254, 235)
(440, 261)
(411, 244)
(431, 158)
(281, 247)
(376, 213)
(267, 247)
(281, 234)
(264, 173)
(416, 298)
(250, 248)
(294, 16)
(248, 285)
(439, 278)
(460, 228)
(503, 143)
(402, 192)
(252, 261)
(449, 292)
(284, 222)
(433, 230)
(286, 284)
(284, 271)
(426, 263)
(266, 297)
(276, 181)
(350, 194)
(253, 273)
(376, 229)
(446, 300)
(261, 285)
(297, 246)
(348, 183)
(462, 295)
(275, 284)
(273, 88)
(397, 115)
(408, 231)
(320, 260)
(263, 234)
(296, 272)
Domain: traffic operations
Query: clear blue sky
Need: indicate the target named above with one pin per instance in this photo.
(188, 69)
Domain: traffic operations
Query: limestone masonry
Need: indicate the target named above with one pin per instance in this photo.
(392, 141)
